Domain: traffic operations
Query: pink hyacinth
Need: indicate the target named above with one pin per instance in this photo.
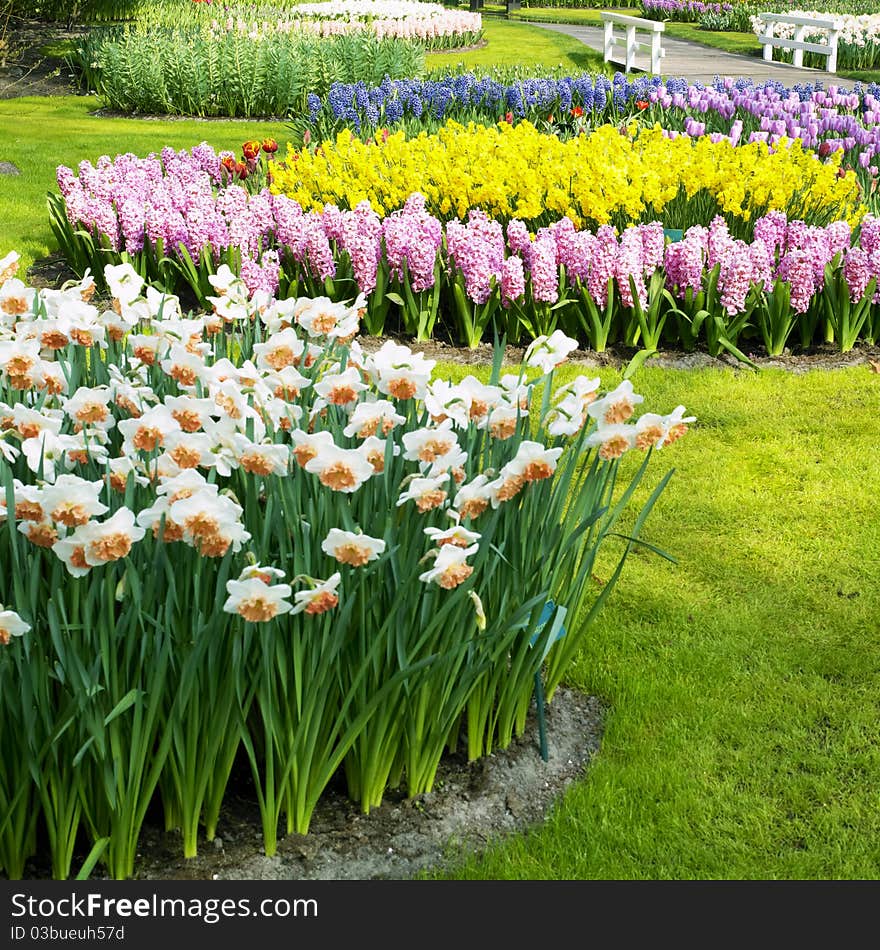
(319, 255)
(735, 277)
(604, 265)
(543, 268)
(869, 233)
(762, 264)
(653, 243)
(413, 237)
(796, 267)
(685, 261)
(772, 229)
(513, 280)
(518, 239)
(629, 264)
(361, 237)
(261, 276)
(477, 250)
(720, 242)
(857, 272)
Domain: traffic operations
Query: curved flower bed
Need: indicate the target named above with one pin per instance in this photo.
(178, 223)
(237, 531)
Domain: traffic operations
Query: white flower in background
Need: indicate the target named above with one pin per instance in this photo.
(73, 501)
(533, 462)
(263, 458)
(426, 445)
(427, 493)
(321, 317)
(351, 548)
(343, 470)
(89, 407)
(677, 424)
(210, 522)
(473, 498)
(29, 423)
(184, 366)
(368, 418)
(341, 389)
(162, 306)
(374, 449)
(227, 283)
(453, 461)
(547, 352)
(308, 445)
(320, 598)
(282, 349)
(256, 600)
(566, 418)
(96, 543)
(457, 535)
(613, 440)
(398, 372)
(124, 282)
(11, 625)
(582, 388)
(444, 400)
(9, 265)
(16, 299)
(617, 406)
(147, 432)
(46, 449)
(502, 421)
(450, 567)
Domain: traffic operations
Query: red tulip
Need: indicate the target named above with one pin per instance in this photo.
(270, 146)
(251, 150)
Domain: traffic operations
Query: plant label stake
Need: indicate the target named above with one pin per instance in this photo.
(558, 634)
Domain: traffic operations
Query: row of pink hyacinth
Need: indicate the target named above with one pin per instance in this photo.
(178, 199)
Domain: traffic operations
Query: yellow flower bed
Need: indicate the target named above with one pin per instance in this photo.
(515, 171)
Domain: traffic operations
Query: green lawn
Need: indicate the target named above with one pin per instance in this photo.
(743, 739)
(518, 44)
(42, 133)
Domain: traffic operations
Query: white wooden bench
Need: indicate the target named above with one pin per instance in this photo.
(632, 26)
(797, 43)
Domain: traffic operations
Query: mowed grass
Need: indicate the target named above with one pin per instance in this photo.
(41, 133)
(517, 44)
(743, 683)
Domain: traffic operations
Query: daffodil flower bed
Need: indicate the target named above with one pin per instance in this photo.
(607, 176)
(238, 533)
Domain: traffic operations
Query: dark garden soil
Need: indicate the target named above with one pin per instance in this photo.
(25, 70)
(817, 357)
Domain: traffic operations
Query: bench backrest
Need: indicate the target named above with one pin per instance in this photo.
(654, 26)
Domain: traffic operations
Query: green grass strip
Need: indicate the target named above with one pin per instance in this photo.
(743, 740)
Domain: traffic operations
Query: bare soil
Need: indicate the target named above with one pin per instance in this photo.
(817, 357)
(25, 70)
